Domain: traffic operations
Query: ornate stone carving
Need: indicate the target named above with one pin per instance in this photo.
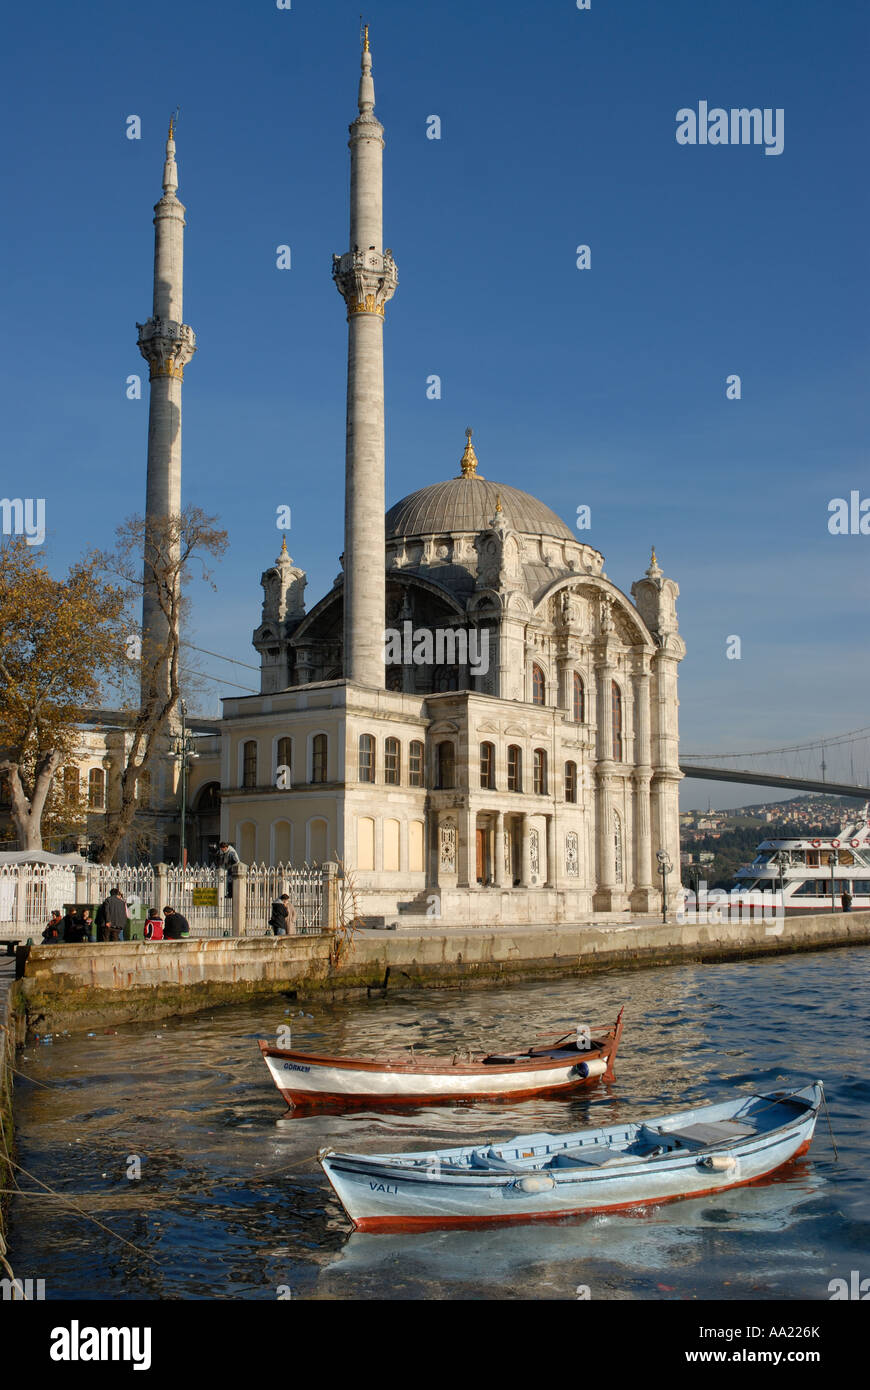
(448, 845)
(572, 854)
(534, 854)
(507, 854)
(365, 280)
(166, 346)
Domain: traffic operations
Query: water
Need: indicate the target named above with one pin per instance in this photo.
(231, 1203)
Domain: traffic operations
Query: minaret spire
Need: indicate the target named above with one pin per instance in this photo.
(167, 344)
(366, 278)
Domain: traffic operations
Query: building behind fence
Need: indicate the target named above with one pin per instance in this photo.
(213, 903)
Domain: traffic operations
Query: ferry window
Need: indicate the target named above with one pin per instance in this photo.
(808, 888)
(861, 886)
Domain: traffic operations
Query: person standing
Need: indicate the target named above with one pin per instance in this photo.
(846, 901)
(111, 917)
(227, 859)
(73, 927)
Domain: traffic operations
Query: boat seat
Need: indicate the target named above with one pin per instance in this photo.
(704, 1133)
(594, 1157)
(491, 1163)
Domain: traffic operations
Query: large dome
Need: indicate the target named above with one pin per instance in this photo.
(469, 503)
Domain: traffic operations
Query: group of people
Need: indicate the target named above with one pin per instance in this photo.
(76, 925)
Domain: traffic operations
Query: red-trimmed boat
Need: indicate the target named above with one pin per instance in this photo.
(579, 1058)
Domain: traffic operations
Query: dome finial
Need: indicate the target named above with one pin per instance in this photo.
(468, 462)
(654, 567)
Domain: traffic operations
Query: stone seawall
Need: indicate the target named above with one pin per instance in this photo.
(76, 987)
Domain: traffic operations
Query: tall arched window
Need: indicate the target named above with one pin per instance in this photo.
(616, 720)
(143, 789)
(71, 783)
(539, 686)
(392, 762)
(540, 771)
(366, 758)
(579, 699)
(487, 766)
(446, 763)
(249, 763)
(284, 753)
(515, 768)
(415, 763)
(570, 781)
(319, 751)
(96, 789)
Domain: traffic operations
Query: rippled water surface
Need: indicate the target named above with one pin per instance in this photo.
(232, 1204)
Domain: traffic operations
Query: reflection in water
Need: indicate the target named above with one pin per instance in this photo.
(231, 1202)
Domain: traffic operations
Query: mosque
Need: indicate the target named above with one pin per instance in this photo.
(475, 720)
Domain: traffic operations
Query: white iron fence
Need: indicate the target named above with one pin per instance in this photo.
(201, 892)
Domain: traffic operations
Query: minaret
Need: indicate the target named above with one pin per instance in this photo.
(366, 278)
(166, 343)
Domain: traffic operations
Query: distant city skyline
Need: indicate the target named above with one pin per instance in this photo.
(603, 387)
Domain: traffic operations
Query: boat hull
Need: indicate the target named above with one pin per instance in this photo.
(380, 1196)
(305, 1080)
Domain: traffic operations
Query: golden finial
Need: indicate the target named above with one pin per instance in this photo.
(171, 125)
(468, 462)
(653, 560)
(366, 39)
(497, 503)
(284, 550)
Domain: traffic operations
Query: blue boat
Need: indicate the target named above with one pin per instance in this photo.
(535, 1177)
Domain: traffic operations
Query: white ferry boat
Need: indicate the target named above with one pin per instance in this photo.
(809, 873)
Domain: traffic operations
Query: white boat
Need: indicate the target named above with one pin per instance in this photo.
(579, 1058)
(812, 874)
(535, 1177)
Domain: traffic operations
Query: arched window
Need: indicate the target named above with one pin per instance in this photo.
(96, 789)
(540, 771)
(284, 753)
(319, 751)
(579, 699)
(392, 762)
(539, 686)
(249, 763)
(616, 720)
(515, 768)
(487, 766)
(366, 758)
(570, 781)
(446, 763)
(71, 783)
(415, 763)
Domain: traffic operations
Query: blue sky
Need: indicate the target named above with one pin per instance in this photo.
(603, 387)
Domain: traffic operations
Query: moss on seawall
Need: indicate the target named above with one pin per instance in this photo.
(79, 987)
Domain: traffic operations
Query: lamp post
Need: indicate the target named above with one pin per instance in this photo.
(183, 748)
(665, 867)
(834, 861)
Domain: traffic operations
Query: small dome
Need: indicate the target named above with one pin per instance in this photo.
(469, 503)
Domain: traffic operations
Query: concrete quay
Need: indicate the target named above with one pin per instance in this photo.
(80, 986)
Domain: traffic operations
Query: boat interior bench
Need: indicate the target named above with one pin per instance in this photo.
(701, 1134)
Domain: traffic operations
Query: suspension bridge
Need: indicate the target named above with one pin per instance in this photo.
(838, 765)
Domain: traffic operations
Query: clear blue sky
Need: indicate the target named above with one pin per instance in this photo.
(604, 387)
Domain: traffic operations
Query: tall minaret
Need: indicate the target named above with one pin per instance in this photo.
(166, 343)
(366, 277)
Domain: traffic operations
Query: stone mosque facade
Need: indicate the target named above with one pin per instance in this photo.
(515, 756)
(475, 721)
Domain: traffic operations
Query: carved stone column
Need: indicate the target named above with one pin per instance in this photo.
(498, 850)
(552, 870)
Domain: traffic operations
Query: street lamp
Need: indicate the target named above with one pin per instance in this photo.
(665, 867)
(834, 861)
(183, 747)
